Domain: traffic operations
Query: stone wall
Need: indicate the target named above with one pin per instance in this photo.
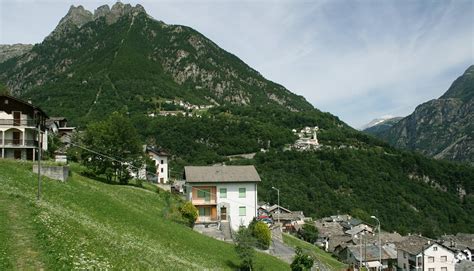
(59, 173)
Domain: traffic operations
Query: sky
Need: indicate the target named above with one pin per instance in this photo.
(358, 60)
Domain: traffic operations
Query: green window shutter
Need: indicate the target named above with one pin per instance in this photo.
(223, 193)
(204, 194)
(242, 211)
(241, 192)
(201, 193)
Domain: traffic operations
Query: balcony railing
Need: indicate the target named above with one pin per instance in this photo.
(19, 143)
(16, 122)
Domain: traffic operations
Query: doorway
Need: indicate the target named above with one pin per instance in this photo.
(17, 154)
(16, 138)
(223, 213)
(16, 118)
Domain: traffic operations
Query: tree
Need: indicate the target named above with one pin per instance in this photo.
(244, 243)
(189, 212)
(118, 140)
(309, 233)
(301, 261)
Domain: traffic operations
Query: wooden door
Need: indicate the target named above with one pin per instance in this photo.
(16, 138)
(223, 213)
(17, 154)
(16, 118)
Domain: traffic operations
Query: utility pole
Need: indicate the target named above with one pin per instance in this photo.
(38, 196)
(278, 195)
(380, 244)
(360, 264)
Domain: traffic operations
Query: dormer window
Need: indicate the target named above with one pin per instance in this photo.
(6, 101)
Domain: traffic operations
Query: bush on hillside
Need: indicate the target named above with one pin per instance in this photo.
(261, 233)
(189, 212)
(309, 233)
(302, 261)
(244, 243)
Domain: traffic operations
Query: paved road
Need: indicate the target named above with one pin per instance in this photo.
(282, 251)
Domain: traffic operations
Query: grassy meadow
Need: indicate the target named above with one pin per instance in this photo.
(87, 224)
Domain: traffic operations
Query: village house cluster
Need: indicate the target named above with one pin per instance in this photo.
(357, 243)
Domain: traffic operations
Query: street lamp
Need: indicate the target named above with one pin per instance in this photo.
(278, 194)
(380, 243)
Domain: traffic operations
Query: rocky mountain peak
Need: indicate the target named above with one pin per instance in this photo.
(77, 16)
(463, 87)
(118, 10)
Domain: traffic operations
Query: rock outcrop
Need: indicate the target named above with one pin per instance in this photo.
(8, 51)
(442, 128)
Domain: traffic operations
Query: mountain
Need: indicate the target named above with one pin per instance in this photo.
(378, 126)
(441, 128)
(121, 58)
(14, 50)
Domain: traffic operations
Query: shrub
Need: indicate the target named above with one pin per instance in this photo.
(301, 261)
(244, 243)
(189, 212)
(309, 233)
(262, 234)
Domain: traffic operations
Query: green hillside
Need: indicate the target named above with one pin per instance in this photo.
(86, 224)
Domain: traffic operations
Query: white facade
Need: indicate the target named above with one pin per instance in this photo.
(434, 258)
(161, 163)
(18, 138)
(235, 202)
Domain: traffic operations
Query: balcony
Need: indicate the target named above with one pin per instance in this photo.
(18, 143)
(17, 122)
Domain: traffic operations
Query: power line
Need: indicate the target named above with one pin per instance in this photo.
(153, 174)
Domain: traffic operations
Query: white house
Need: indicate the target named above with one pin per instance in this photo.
(419, 253)
(19, 122)
(160, 157)
(223, 193)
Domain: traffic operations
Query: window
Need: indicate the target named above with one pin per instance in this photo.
(431, 269)
(404, 266)
(435, 248)
(404, 255)
(162, 162)
(241, 192)
(431, 259)
(223, 193)
(204, 194)
(161, 170)
(444, 269)
(242, 211)
(444, 259)
(204, 211)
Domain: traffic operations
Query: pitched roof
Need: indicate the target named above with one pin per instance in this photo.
(275, 207)
(370, 252)
(221, 174)
(24, 102)
(414, 244)
(157, 150)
